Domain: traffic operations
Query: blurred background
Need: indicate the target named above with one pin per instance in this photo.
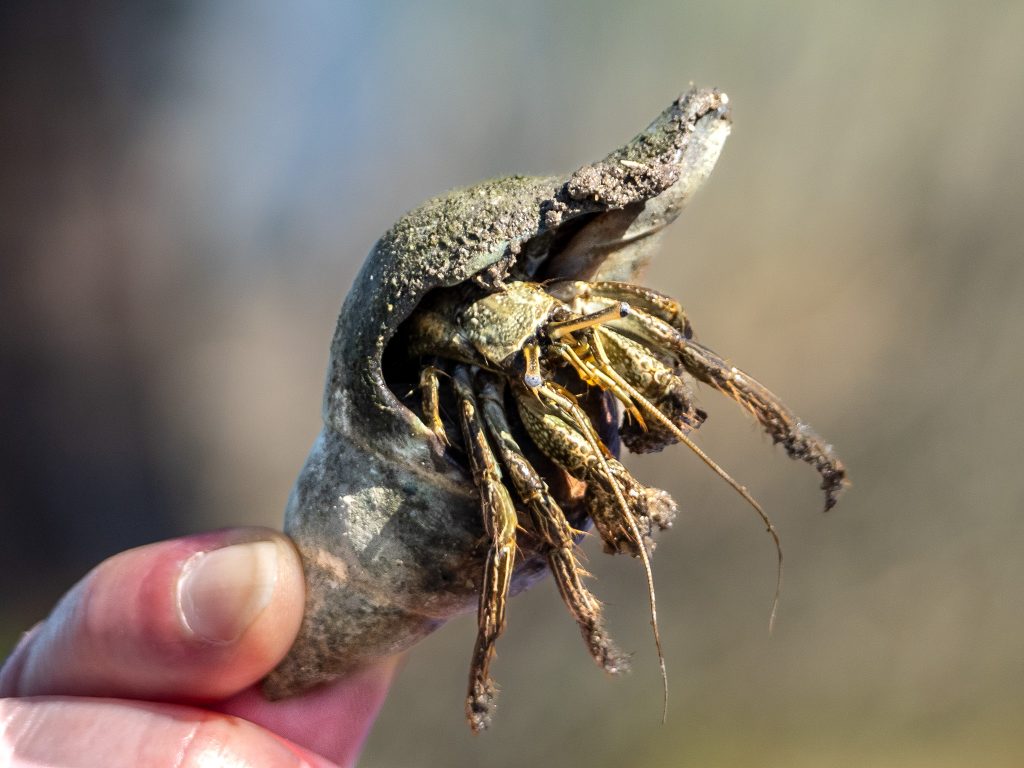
(188, 189)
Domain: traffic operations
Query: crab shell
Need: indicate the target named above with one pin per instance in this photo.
(389, 529)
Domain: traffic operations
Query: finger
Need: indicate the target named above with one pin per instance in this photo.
(72, 732)
(332, 720)
(197, 618)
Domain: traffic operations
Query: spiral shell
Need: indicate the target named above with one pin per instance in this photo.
(389, 528)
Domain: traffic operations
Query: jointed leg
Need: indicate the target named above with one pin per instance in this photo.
(659, 418)
(429, 386)
(661, 382)
(562, 430)
(648, 300)
(553, 529)
(797, 438)
(593, 376)
(499, 516)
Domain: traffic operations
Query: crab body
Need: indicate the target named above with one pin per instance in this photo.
(511, 307)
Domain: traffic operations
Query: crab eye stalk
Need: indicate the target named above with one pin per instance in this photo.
(531, 361)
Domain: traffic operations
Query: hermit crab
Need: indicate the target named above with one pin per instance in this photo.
(491, 359)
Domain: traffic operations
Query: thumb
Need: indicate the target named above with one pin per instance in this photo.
(196, 618)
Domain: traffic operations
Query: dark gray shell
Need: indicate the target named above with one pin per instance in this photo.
(389, 529)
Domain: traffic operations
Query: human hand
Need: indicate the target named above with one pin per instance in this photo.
(154, 657)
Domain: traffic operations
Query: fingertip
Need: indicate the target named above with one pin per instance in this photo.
(200, 617)
(249, 600)
(251, 587)
(117, 733)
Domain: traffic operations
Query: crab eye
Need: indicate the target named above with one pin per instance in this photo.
(531, 362)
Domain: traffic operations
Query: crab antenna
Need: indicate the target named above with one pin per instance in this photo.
(583, 424)
(646, 560)
(649, 573)
(760, 511)
(658, 416)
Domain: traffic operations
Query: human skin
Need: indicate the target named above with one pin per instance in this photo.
(154, 657)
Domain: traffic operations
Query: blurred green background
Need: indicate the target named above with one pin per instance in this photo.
(188, 190)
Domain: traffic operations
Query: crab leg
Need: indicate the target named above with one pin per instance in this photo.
(551, 526)
(565, 434)
(797, 438)
(596, 368)
(499, 516)
(429, 386)
(648, 300)
(559, 328)
(664, 384)
(658, 417)
(564, 444)
(595, 377)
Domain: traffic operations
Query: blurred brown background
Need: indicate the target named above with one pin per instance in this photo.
(180, 222)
